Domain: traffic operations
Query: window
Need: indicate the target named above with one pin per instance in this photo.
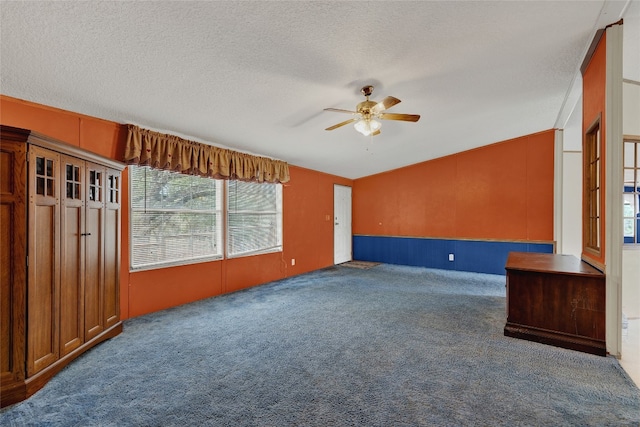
(631, 194)
(175, 218)
(592, 190)
(254, 218)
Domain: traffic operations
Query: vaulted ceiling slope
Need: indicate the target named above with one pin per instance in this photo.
(255, 75)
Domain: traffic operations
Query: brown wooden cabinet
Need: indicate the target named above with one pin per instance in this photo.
(60, 250)
(556, 299)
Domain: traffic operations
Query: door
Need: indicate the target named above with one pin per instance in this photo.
(93, 255)
(71, 254)
(12, 265)
(111, 304)
(43, 260)
(341, 224)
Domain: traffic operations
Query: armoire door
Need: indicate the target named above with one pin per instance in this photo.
(94, 255)
(43, 259)
(112, 249)
(13, 254)
(72, 255)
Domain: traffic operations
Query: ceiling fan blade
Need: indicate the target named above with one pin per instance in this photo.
(403, 117)
(386, 103)
(338, 110)
(346, 122)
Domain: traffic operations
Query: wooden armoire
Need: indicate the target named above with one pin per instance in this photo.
(59, 257)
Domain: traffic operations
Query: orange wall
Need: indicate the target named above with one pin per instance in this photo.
(593, 105)
(502, 191)
(307, 237)
(307, 222)
(96, 135)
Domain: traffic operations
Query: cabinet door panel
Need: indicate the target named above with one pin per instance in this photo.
(94, 255)
(44, 279)
(13, 255)
(6, 263)
(112, 249)
(71, 256)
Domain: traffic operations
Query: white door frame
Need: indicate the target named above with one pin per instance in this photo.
(614, 184)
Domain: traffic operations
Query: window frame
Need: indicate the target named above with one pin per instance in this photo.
(223, 230)
(592, 190)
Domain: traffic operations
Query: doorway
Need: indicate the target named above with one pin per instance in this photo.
(341, 224)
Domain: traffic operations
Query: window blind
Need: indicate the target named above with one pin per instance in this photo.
(254, 218)
(175, 218)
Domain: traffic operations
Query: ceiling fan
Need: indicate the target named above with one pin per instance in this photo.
(367, 112)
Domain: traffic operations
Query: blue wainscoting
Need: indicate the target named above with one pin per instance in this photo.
(478, 256)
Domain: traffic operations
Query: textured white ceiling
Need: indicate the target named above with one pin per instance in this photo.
(255, 76)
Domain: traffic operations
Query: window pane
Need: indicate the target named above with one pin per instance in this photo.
(628, 227)
(175, 218)
(631, 192)
(628, 179)
(592, 167)
(629, 208)
(628, 155)
(254, 216)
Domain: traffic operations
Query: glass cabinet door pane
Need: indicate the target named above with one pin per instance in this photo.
(40, 185)
(39, 166)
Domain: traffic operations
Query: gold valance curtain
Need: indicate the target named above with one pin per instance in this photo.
(169, 152)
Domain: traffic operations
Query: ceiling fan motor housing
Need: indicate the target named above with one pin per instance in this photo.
(365, 107)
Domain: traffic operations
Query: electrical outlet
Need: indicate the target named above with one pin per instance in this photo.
(293, 261)
(450, 257)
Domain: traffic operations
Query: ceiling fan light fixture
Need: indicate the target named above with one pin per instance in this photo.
(367, 126)
(367, 111)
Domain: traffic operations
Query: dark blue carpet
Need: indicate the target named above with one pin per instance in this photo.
(387, 346)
